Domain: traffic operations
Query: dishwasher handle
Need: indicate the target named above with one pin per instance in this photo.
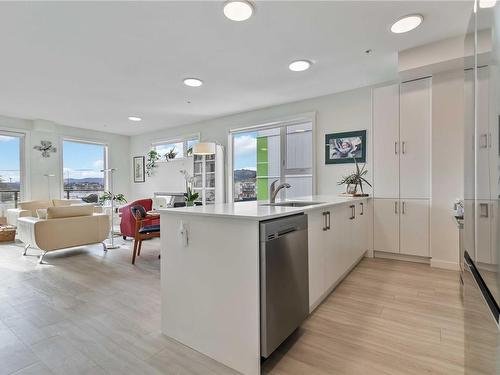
(286, 231)
(277, 228)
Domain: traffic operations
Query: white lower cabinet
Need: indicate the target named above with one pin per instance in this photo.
(401, 226)
(386, 225)
(486, 224)
(317, 255)
(414, 227)
(338, 237)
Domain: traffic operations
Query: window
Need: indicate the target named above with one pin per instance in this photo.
(11, 170)
(82, 165)
(282, 152)
(176, 148)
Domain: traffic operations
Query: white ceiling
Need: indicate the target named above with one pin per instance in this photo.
(93, 64)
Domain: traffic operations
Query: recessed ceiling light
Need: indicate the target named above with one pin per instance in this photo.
(299, 65)
(407, 23)
(487, 3)
(134, 118)
(239, 10)
(193, 82)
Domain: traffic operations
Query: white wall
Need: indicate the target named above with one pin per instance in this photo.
(447, 165)
(37, 166)
(350, 110)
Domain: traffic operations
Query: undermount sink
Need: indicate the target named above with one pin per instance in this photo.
(292, 204)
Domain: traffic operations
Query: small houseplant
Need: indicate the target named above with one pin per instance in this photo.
(117, 198)
(354, 180)
(170, 155)
(152, 157)
(189, 196)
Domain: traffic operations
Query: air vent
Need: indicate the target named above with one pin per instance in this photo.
(271, 236)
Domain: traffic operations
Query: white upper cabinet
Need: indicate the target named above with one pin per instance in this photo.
(415, 138)
(386, 141)
(484, 137)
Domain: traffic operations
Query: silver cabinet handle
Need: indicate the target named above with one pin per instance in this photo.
(396, 207)
(325, 226)
(404, 147)
(485, 143)
(489, 140)
(328, 216)
(403, 208)
(353, 214)
(362, 209)
(396, 148)
(484, 210)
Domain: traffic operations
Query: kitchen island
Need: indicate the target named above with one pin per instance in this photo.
(210, 264)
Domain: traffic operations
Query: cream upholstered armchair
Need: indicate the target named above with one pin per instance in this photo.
(29, 208)
(63, 227)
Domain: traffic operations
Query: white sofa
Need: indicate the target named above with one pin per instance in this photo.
(29, 208)
(64, 227)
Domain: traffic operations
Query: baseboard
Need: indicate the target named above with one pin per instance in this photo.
(406, 258)
(436, 263)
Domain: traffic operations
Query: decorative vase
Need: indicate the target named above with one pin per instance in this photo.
(189, 203)
(351, 189)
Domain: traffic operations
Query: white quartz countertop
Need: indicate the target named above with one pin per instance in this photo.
(259, 210)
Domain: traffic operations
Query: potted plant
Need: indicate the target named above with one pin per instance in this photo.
(189, 196)
(354, 180)
(171, 154)
(152, 158)
(117, 198)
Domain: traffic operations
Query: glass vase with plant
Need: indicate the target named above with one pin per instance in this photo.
(354, 180)
(189, 195)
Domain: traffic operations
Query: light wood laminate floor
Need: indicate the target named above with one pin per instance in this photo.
(89, 313)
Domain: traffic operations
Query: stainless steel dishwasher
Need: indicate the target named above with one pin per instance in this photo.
(284, 279)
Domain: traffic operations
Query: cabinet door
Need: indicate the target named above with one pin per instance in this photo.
(360, 233)
(483, 135)
(338, 240)
(483, 231)
(469, 143)
(415, 128)
(414, 223)
(386, 141)
(317, 260)
(386, 225)
(494, 231)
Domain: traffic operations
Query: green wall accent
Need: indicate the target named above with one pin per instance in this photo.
(262, 169)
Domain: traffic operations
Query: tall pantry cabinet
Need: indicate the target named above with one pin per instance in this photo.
(481, 193)
(401, 175)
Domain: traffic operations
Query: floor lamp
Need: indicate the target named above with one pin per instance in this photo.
(110, 244)
(49, 176)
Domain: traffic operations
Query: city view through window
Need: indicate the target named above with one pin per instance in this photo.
(258, 160)
(82, 165)
(10, 171)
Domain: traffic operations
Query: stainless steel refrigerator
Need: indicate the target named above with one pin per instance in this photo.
(481, 234)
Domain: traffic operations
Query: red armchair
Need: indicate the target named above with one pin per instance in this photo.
(127, 225)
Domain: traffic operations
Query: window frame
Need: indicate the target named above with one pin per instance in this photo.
(24, 139)
(183, 139)
(282, 123)
(89, 142)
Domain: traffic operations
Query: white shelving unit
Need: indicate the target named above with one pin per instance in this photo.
(208, 173)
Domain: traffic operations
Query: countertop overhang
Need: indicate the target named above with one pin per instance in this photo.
(259, 210)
